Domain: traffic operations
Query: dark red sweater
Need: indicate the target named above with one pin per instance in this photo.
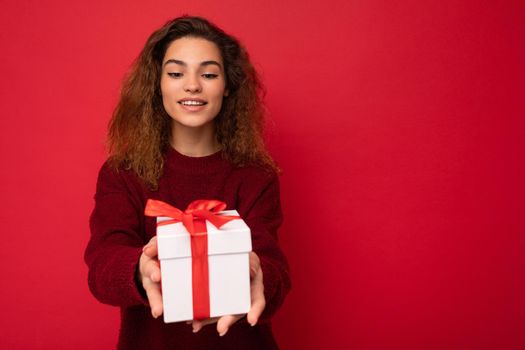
(119, 230)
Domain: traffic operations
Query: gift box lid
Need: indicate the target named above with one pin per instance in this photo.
(233, 237)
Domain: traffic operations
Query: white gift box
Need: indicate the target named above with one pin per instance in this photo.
(228, 267)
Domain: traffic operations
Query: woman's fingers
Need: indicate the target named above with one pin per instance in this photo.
(154, 296)
(150, 249)
(151, 269)
(255, 264)
(258, 300)
(149, 264)
(150, 276)
(198, 324)
(225, 322)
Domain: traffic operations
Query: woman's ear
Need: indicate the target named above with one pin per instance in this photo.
(226, 92)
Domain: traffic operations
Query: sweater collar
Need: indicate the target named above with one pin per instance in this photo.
(195, 165)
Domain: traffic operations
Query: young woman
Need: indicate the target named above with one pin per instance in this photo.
(188, 126)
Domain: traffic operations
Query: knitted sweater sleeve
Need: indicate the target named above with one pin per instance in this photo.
(261, 210)
(115, 245)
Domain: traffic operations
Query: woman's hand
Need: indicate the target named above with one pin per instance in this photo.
(149, 276)
(257, 297)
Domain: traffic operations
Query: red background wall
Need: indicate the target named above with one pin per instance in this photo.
(399, 126)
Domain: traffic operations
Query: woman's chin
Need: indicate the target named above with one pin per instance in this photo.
(193, 122)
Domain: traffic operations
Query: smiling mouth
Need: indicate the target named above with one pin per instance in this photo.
(192, 103)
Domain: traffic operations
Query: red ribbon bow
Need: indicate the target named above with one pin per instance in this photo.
(194, 219)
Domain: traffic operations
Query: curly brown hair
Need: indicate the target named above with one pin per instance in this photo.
(140, 129)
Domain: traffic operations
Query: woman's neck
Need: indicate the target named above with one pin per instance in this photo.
(194, 142)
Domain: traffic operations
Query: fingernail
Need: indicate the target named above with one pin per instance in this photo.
(223, 333)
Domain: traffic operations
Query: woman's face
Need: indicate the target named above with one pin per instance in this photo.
(193, 81)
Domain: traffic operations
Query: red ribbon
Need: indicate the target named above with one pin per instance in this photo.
(194, 219)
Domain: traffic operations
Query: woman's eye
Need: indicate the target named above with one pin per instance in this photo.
(210, 75)
(175, 75)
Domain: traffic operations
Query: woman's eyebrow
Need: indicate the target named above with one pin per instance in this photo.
(203, 63)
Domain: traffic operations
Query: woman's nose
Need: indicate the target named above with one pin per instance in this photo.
(192, 84)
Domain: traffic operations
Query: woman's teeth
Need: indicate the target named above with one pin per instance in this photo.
(192, 103)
